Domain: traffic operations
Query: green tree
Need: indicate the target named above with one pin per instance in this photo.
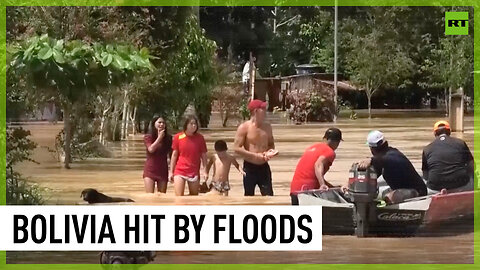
(151, 27)
(188, 72)
(373, 58)
(300, 35)
(317, 36)
(68, 72)
(450, 64)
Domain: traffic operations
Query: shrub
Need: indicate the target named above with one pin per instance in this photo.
(19, 148)
(309, 106)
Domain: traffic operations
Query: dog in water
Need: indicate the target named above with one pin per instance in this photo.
(93, 196)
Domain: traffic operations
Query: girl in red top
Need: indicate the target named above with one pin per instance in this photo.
(158, 144)
(189, 150)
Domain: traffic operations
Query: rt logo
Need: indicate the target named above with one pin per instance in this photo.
(456, 23)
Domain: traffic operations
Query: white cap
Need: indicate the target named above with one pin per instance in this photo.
(375, 138)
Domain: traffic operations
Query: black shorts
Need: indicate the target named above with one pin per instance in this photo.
(294, 198)
(257, 175)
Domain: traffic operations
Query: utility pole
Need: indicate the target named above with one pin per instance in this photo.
(251, 73)
(335, 101)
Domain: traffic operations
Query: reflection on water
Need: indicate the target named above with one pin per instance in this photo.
(121, 176)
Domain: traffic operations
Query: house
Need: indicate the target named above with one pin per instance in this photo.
(275, 90)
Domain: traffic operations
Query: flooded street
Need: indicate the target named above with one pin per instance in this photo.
(121, 176)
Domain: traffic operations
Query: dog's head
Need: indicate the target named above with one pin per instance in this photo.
(89, 194)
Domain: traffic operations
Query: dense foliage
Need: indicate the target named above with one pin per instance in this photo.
(19, 148)
(114, 67)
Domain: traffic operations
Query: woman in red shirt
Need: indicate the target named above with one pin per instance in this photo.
(189, 150)
(158, 144)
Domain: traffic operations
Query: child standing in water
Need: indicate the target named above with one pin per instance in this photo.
(221, 162)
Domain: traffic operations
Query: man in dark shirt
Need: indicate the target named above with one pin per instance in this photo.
(447, 162)
(396, 169)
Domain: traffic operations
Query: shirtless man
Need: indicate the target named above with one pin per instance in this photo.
(254, 142)
(221, 162)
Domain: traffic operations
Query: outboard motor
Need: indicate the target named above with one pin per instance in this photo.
(125, 257)
(362, 189)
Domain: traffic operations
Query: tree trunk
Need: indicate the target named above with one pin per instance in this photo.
(123, 130)
(114, 134)
(446, 101)
(196, 12)
(145, 127)
(67, 127)
(369, 98)
(225, 121)
(221, 112)
(132, 119)
(225, 117)
(102, 122)
(127, 121)
(115, 116)
(275, 21)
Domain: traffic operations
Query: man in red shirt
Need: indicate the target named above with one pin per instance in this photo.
(314, 163)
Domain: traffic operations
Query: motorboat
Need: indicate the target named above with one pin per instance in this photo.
(359, 210)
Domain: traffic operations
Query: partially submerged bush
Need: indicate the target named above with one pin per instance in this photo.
(19, 148)
(308, 105)
(20, 192)
(228, 101)
(83, 145)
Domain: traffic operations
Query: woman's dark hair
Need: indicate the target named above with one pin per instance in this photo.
(187, 120)
(153, 131)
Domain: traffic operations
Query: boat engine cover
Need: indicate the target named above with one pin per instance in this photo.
(362, 184)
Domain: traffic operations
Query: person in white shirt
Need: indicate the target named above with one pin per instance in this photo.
(246, 76)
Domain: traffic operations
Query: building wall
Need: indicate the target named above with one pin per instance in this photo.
(269, 90)
(312, 83)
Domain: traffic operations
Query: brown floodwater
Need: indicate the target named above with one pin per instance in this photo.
(121, 176)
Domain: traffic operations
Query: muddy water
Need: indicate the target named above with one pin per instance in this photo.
(121, 176)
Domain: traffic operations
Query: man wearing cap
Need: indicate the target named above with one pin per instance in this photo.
(447, 162)
(254, 142)
(314, 163)
(397, 171)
